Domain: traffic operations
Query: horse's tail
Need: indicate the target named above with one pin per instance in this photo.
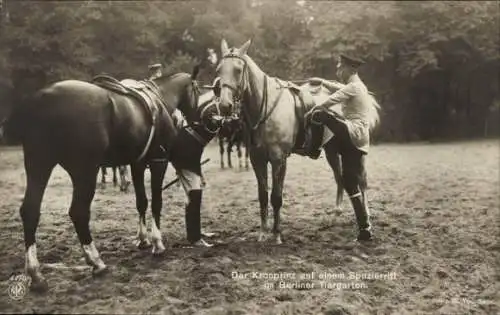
(374, 113)
(20, 118)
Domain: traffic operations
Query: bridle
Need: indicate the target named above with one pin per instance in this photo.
(238, 90)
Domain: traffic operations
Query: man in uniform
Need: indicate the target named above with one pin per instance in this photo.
(190, 178)
(155, 71)
(351, 133)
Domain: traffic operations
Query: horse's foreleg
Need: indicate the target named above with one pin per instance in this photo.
(279, 172)
(246, 156)
(115, 179)
(259, 165)
(141, 202)
(157, 170)
(103, 175)
(334, 161)
(221, 150)
(238, 148)
(229, 150)
(84, 184)
(38, 175)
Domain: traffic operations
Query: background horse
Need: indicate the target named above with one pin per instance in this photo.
(123, 171)
(233, 133)
(275, 122)
(82, 126)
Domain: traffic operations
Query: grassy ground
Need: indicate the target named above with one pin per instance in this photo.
(435, 211)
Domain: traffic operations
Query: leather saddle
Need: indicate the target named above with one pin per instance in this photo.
(144, 92)
(304, 101)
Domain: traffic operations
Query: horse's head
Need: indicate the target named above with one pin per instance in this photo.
(233, 73)
(180, 91)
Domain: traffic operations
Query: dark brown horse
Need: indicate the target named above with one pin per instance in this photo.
(233, 133)
(82, 126)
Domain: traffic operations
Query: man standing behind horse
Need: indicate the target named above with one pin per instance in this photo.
(155, 71)
(351, 133)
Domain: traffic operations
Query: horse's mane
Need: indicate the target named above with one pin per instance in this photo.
(169, 76)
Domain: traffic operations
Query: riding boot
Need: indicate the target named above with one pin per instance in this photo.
(314, 144)
(362, 218)
(193, 220)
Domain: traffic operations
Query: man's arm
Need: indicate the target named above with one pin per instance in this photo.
(341, 96)
(333, 86)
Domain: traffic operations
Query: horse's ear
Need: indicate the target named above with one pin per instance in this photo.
(224, 48)
(244, 48)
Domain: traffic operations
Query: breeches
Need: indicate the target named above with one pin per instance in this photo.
(189, 180)
(353, 160)
(337, 125)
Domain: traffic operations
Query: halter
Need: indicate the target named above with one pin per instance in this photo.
(237, 90)
(202, 113)
(190, 128)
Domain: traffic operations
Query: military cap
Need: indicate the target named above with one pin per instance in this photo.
(155, 66)
(351, 61)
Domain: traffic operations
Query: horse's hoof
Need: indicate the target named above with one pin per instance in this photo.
(39, 285)
(124, 188)
(100, 271)
(262, 237)
(277, 239)
(207, 234)
(158, 250)
(142, 244)
(202, 243)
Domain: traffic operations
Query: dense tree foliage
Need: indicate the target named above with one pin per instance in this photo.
(433, 65)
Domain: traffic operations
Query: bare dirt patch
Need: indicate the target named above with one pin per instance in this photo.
(435, 211)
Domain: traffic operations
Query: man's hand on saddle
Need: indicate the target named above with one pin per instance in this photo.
(331, 85)
(315, 81)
